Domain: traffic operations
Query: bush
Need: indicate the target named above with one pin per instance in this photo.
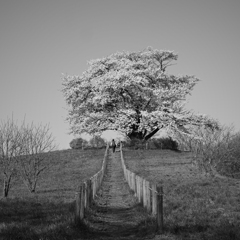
(134, 143)
(154, 143)
(97, 142)
(165, 143)
(78, 143)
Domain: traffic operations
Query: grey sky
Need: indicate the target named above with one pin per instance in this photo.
(39, 40)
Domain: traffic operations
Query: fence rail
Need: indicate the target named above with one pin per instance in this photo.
(148, 194)
(88, 189)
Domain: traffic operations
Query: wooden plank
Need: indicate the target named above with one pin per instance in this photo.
(131, 179)
(77, 207)
(154, 199)
(81, 202)
(89, 197)
(128, 176)
(160, 209)
(141, 189)
(94, 187)
(85, 194)
(148, 197)
(144, 192)
(137, 188)
(134, 184)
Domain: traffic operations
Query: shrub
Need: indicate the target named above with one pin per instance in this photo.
(154, 143)
(97, 142)
(134, 143)
(78, 143)
(165, 143)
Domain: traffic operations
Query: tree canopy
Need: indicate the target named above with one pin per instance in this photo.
(131, 92)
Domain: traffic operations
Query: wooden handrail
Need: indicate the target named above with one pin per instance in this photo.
(88, 189)
(148, 194)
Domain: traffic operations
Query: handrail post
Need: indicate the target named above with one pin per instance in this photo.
(82, 202)
(154, 199)
(77, 208)
(87, 190)
(160, 209)
(149, 194)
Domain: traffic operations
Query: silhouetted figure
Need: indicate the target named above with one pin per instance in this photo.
(113, 144)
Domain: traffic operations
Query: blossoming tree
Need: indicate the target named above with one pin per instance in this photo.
(131, 92)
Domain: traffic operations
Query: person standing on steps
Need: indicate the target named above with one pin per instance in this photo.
(113, 144)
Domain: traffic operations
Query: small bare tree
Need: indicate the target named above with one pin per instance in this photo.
(10, 150)
(209, 146)
(37, 141)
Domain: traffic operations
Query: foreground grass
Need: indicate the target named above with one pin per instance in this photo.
(49, 213)
(195, 206)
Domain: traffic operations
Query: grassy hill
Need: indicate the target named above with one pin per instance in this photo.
(48, 213)
(196, 206)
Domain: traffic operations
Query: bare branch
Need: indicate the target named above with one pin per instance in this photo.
(37, 141)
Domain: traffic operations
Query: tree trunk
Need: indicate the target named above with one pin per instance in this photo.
(34, 185)
(6, 186)
(31, 185)
(135, 135)
(151, 134)
(137, 140)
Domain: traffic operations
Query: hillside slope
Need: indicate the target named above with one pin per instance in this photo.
(196, 206)
(48, 214)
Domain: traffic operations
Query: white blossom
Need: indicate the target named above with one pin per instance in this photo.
(132, 93)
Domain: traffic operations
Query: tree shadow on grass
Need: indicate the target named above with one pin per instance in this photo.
(31, 219)
(38, 220)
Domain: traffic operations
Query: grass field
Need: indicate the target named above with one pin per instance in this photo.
(195, 206)
(48, 214)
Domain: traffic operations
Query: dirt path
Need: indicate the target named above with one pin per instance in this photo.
(116, 213)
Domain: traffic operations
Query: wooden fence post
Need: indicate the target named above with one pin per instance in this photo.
(141, 190)
(137, 188)
(88, 190)
(149, 194)
(131, 180)
(85, 194)
(160, 209)
(144, 193)
(82, 201)
(89, 197)
(134, 184)
(77, 209)
(128, 177)
(148, 197)
(154, 199)
(95, 186)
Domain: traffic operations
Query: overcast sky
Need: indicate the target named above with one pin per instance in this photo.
(40, 40)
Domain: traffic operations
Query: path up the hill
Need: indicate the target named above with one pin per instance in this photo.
(116, 213)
